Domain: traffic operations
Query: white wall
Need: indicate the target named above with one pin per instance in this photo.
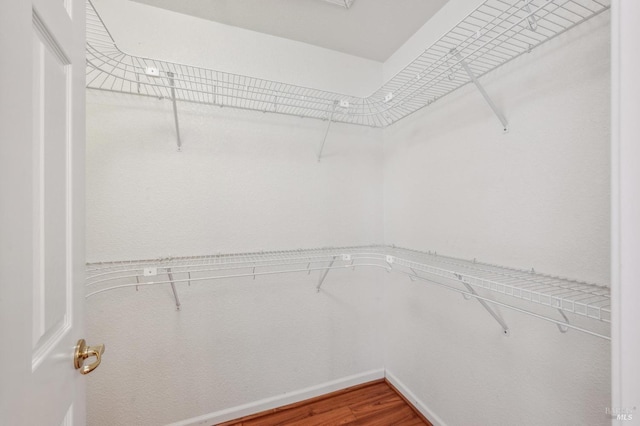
(244, 182)
(535, 197)
(232, 343)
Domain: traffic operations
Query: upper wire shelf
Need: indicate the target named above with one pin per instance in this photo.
(493, 34)
(464, 276)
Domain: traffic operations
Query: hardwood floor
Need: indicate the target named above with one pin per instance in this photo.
(375, 403)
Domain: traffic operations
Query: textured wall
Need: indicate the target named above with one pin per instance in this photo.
(535, 197)
(233, 342)
(244, 182)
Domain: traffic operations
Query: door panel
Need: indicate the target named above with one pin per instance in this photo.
(50, 149)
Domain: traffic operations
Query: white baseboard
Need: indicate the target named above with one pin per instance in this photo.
(420, 406)
(281, 400)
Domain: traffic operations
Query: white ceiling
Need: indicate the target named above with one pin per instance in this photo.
(371, 29)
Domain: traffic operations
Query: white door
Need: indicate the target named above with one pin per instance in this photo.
(42, 73)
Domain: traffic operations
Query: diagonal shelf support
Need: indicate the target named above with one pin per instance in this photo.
(172, 84)
(485, 95)
(563, 328)
(173, 288)
(494, 314)
(533, 23)
(324, 274)
(414, 276)
(326, 133)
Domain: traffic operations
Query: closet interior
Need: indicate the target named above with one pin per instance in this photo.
(259, 242)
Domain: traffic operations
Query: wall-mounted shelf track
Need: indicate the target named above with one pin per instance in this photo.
(491, 285)
(493, 34)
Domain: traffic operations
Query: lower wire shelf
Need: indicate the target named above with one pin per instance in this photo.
(517, 289)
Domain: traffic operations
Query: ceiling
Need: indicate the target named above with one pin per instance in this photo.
(372, 29)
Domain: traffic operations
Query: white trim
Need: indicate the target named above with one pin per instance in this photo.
(615, 206)
(413, 399)
(281, 400)
(68, 418)
(625, 210)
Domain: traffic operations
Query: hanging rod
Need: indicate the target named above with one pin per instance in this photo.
(564, 295)
(495, 33)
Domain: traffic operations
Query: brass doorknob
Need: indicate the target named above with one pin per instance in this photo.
(82, 352)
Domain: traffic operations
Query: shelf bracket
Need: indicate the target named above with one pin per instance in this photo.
(326, 133)
(173, 288)
(563, 328)
(324, 274)
(172, 83)
(494, 314)
(485, 95)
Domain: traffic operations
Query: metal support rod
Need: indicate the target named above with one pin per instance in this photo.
(326, 133)
(533, 24)
(172, 83)
(563, 328)
(173, 288)
(485, 95)
(411, 277)
(324, 274)
(494, 314)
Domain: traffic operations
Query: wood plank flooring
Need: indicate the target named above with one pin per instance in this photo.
(375, 403)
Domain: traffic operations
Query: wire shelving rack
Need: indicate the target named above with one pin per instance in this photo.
(474, 280)
(493, 34)
(496, 32)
